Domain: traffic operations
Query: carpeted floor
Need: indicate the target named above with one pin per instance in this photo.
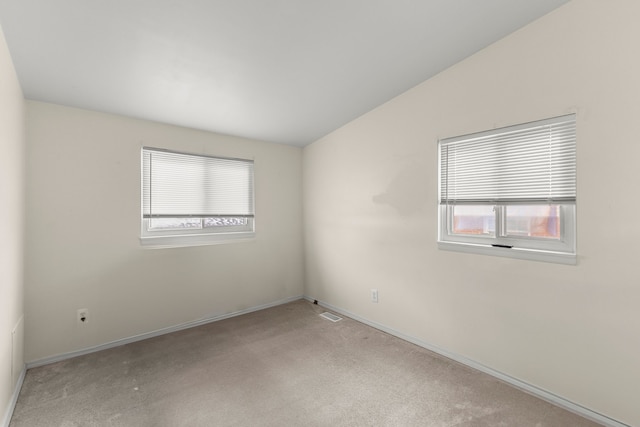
(284, 366)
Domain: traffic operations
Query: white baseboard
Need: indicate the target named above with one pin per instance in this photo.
(14, 399)
(163, 331)
(522, 385)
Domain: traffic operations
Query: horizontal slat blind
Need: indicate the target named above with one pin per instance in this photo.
(185, 185)
(533, 163)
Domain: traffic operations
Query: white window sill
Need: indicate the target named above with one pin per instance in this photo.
(517, 253)
(158, 242)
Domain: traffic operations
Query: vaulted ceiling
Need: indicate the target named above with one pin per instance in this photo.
(286, 71)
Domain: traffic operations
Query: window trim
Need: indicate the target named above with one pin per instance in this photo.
(561, 251)
(168, 238)
(517, 253)
(175, 241)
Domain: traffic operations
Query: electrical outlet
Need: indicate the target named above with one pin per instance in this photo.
(374, 295)
(83, 316)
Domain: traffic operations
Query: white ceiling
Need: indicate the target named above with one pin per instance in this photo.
(287, 71)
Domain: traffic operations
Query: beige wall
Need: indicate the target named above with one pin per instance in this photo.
(370, 203)
(83, 251)
(11, 227)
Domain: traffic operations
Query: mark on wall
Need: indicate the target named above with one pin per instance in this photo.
(406, 193)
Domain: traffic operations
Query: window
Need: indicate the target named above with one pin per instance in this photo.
(193, 199)
(511, 191)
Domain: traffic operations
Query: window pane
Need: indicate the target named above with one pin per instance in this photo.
(477, 220)
(533, 221)
(174, 223)
(225, 221)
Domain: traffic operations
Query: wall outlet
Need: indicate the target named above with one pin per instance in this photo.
(374, 295)
(83, 316)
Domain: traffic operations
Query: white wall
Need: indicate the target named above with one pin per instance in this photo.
(83, 213)
(370, 206)
(11, 228)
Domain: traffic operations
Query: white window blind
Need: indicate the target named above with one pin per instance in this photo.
(530, 163)
(178, 185)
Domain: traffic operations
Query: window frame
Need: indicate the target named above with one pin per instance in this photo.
(203, 235)
(561, 250)
(537, 249)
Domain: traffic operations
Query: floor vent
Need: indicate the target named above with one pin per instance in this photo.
(331, 316)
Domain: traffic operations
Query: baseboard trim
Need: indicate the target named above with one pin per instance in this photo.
(14, 398)
(152, 334)
(515, 382)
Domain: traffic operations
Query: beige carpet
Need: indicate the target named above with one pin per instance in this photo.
(284, 366)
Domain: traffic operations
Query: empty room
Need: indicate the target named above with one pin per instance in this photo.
(319, 213)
